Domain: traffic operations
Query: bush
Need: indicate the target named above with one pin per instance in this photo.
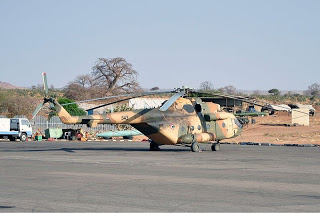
(72, 109)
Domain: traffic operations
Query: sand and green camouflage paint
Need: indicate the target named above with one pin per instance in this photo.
(186, 121)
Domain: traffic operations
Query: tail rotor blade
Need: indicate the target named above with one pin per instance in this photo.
(45, 84)
(37, 110)
(171, 101)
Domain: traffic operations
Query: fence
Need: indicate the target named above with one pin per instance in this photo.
(40, 122)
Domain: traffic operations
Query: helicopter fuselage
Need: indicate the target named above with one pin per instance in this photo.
(185, 122)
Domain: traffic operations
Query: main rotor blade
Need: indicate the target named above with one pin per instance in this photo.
(114, 102)
(45, 84)
(241, 98)
(37, 110)
(118, 96)
(248, 100)
(167, 104)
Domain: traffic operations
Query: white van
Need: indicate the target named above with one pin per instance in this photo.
(13, 128)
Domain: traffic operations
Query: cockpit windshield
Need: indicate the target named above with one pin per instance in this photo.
(237, 122)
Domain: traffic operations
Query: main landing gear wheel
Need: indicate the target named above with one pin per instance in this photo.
(195, 147)
(215, 146)
(154, 146)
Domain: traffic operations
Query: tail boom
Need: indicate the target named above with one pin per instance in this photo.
(128, 117)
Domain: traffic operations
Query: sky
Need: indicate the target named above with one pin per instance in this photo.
(250, 44)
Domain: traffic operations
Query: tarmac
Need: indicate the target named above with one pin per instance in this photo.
(124, 176)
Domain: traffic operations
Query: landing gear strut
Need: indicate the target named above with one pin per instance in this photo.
(154, 146)
(215, 146)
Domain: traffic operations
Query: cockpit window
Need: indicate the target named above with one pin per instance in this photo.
(236, 121)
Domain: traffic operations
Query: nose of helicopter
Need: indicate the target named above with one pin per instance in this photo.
(239, 131)
(239, 127)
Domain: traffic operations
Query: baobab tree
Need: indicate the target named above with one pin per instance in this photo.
(206, 86)
(116, 75)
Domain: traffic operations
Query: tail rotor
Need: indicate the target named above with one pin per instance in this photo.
(45, 99)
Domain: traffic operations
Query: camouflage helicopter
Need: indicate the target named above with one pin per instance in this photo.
(180, 120)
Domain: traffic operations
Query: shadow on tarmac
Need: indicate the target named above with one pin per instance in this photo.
(73, 150)
(7, 207)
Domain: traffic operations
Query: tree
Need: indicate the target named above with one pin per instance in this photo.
(116, 75)
(72, 109)
(86, 81)
(83, 87)
(108, 77)
(206, 86)
(228, 90)
(314, 89)
(256, 93)
(82, 80)
(75, 92)
(13, 103)
(274, 92)
(154, 88)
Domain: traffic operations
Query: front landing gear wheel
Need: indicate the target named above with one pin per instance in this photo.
(195, 147)
(154, 146)
(215, 146)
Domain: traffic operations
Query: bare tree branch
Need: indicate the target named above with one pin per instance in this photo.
(116, 74)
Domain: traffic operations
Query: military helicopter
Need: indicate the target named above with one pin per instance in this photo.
(180, 120)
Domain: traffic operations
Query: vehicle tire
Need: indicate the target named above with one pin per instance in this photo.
(23, 137)
(12, 138)
(215, 147)
(195, 147)
(130, 137)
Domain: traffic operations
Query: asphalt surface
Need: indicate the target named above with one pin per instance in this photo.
(125, 176)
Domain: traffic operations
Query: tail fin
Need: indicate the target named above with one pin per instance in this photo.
(64, 115)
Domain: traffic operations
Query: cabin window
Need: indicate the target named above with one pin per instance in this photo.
(188, 108)
(223, 125)
(192, 128)
(199, 127)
